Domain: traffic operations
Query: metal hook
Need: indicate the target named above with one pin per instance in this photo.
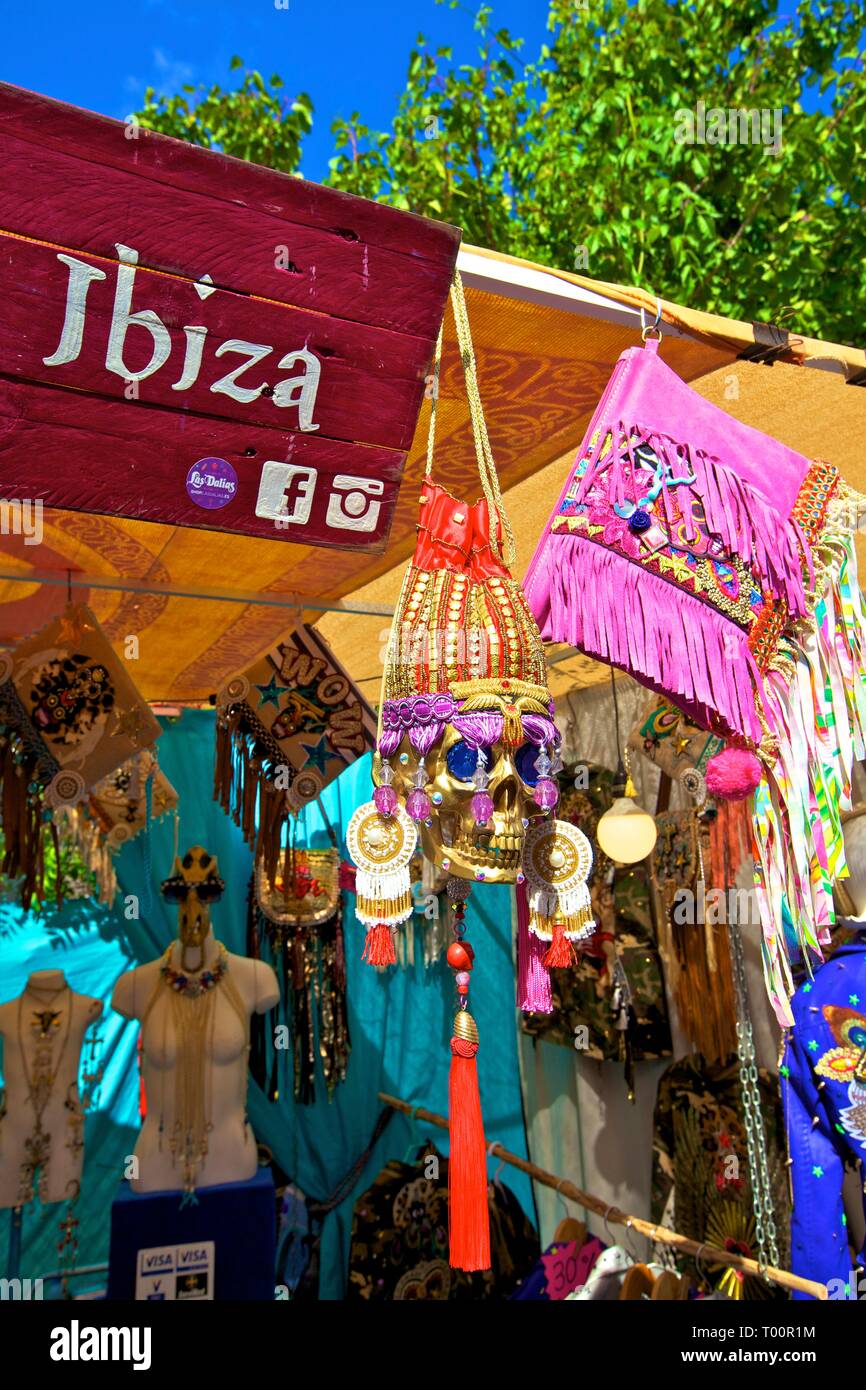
(611, 1236)
(415, 1138)
(647, 328)
(563, 1199)
(632, 1249)
(494, 1144)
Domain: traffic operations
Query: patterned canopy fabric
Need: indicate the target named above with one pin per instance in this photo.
(541, 370)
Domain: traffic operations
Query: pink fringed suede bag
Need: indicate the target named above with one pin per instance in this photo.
(676, 544)
(716, 565)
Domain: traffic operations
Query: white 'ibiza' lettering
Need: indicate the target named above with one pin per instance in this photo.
(296, 392)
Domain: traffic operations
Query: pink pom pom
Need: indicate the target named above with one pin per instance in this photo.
(733, 774)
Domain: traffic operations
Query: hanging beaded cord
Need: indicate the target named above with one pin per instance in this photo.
(192, 1006)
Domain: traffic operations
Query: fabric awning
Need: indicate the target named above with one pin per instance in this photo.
(545, 343)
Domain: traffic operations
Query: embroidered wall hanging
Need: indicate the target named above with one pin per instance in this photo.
(717, 566)
(69, 715)
(286, 728)
(118, 808)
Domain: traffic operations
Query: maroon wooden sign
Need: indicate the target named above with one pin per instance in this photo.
(192, 340)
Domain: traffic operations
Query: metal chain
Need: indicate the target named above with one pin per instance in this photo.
(756, 1143)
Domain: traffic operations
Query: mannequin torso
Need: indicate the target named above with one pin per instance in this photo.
(248, 987)
(42, 1132)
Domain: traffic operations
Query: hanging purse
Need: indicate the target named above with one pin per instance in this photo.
(717, 566)
(295, 922)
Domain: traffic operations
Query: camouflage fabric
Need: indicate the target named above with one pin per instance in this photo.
(700, 1183)
(622, 905)
(399, 1248)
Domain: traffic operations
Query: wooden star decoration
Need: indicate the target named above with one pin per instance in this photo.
(74, 624)
(131, 723)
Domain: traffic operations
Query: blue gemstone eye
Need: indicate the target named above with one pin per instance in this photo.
(525, 763)
(463, 760)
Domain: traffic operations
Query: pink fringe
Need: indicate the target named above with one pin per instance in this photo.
(743, 519)
(616, 611)
(534, 993)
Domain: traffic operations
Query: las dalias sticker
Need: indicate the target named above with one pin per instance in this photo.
(212, 483)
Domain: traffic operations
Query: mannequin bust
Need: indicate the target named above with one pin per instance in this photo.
(194, 1005)
(42, 1130)
(850, 893)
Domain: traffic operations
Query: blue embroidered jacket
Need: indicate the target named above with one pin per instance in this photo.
(823, 1078)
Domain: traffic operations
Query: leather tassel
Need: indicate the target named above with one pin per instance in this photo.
(379, 946)
(468, 1216)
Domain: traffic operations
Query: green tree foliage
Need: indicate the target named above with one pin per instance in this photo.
(254, 121)
(576, 158)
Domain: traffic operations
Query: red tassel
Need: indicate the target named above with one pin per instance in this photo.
(561, 952)
(379, 946)
(468, 1217)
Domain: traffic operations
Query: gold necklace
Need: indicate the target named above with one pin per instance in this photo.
(38, 990)
(40, 1085)
(193, 1001)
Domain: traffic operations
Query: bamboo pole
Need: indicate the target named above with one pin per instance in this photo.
(660, 1234)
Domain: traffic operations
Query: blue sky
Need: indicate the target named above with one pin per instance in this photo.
(348, 54)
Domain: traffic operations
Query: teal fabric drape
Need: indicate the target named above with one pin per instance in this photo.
(400, 1020)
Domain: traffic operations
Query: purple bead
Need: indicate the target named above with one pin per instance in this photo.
(385, 800)
(462, 977)
(481, 806)
(546, 794)
(418, 805)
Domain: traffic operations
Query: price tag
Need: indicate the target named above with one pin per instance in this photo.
(567, 1267)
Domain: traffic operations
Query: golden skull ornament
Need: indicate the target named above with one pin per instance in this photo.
(455, 839)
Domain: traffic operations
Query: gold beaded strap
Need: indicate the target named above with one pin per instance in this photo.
(503, 549)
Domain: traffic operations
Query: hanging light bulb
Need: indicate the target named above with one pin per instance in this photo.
(626, 832)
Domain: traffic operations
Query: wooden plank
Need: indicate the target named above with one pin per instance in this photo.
(250, 251)
(197, 341)
(319, 225)
(89, 454)
(369, 384)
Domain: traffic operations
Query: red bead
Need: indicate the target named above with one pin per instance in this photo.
(459, 956)
(462, 989)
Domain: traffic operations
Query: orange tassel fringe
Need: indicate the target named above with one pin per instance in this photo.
(379, 946)
(468, 1217)
(561, 952)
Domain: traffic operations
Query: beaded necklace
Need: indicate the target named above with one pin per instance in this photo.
(193, 1013)
(193, 985)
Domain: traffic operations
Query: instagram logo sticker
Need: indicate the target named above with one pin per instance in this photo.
(212, 483)
(351, 506)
